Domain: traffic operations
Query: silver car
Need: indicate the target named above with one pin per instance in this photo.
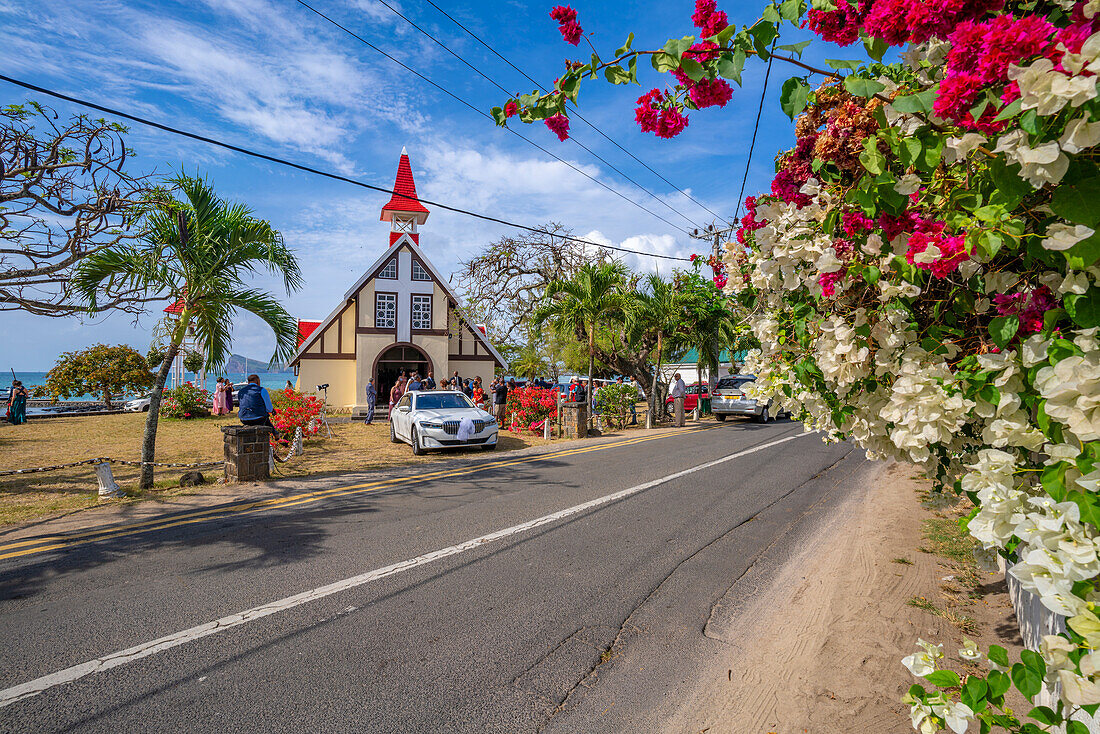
(729, 399)
(432, 419)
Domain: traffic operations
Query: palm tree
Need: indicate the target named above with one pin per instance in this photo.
(660, 309)
(594, 295)
(197, 250)
(529, 362)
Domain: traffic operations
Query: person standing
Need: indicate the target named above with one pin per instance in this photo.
(228, 395)
(219, 398)
(456, 381)
(17, 403)
(372, 398)
(396, 392)
(256, 407)
(479, 394)
(415, 383)
(500, 400)
(679, 389)
(580, 395)
(428, 383)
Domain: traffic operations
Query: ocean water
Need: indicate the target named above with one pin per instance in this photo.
(272, 381)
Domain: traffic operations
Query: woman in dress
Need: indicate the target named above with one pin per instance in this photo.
(479, 394)
(220, 406)
(396, 393)
(17, 403)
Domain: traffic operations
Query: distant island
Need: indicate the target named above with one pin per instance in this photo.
(237, 364)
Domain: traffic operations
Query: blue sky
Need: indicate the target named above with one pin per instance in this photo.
(270, 75)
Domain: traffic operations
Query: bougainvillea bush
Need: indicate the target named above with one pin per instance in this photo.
(922, 277)
(186, 401)
(527, 407)
(295, 410)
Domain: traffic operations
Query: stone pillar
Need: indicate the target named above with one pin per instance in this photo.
(246, 453)
(574, 420)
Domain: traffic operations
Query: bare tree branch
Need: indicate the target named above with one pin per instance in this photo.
(63, 195)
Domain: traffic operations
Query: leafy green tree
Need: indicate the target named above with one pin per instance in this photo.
(99, 370)
(712, 322)
(595, 295)
(197, 250)
(528, 362)
(659, 308)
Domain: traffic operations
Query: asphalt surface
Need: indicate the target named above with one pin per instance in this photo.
(589, 623)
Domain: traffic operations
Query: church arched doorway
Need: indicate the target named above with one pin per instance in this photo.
(399, 358)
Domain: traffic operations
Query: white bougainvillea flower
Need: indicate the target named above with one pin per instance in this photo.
(969, 650)
(1080, 134)
(1072, 391)
(1074, 282)
(1062, 235)
(1091, 8)
(908, 184)
(957, 149)
(1078, 691)
(1042, 165)
(923, 719)
(1034, 350)
(922, 663)
(956, 715)
(1089, 482)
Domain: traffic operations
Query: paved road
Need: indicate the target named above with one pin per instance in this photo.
(585, 620)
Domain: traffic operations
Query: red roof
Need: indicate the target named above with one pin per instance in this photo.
(305, 328)
(176, 307)
(404, 197)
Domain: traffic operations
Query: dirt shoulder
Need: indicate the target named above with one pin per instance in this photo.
(818, 649)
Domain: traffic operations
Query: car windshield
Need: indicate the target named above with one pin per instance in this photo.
(732, 383)
(442, 401)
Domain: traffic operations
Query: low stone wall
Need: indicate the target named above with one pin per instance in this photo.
(574, 420)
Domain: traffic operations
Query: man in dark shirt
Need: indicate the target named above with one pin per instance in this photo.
(428, 383)
(500, 399)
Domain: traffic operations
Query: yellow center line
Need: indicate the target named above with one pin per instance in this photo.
(67, 541)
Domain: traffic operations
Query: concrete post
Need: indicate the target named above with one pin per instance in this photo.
(108, 487)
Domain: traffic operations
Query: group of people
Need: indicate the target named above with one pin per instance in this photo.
(223, 397)
(17, 403)
(471, 387)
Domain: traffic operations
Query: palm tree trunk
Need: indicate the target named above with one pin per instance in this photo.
(591, 367)
(149, 441)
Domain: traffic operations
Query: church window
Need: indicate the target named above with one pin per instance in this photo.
(385, 310)
(419, 273)
(390, 271)
(421, 312)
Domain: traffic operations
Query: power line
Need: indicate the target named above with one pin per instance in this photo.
(575, 113)
(755, 127)
(484, 114)
(576, 142)
(315, 171)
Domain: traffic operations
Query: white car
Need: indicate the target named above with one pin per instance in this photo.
(433, 419)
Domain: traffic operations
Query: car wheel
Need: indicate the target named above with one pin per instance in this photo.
(719, 417)
(417, 451)
(765, 415)
(393, 433)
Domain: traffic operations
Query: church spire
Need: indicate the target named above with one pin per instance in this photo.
(404, 211)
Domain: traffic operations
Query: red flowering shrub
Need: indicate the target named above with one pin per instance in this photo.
(527, 407)
(295, 410)
(186, 401)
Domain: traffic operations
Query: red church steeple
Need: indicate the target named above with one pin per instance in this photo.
(404, 211)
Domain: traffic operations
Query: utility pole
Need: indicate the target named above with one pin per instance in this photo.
(717, 234)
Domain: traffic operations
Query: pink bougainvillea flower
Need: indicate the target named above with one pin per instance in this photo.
(567, 23)
(559, 125)
(710, 93)
(511, 108)
(840, 26)
(930, 249)
(563, 14)
(828, 281)
(656, 114)
(708, 19)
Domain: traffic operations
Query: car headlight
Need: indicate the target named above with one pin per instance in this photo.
(426, 424)
(490, 422)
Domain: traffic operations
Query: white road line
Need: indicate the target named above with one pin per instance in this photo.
(22, 691)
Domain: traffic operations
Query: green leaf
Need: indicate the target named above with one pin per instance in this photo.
(1044, 715)
(1026, 680)
(1033, 661)
(861, 87)
(771, 14)
(626, 46)
(876, 47)
(1003, 328)
(791, 10)
(841, 64)
(794, 97)
(871, 157)
(1029, 122)
(1053, 480)
(871, 274)
(794, 48)
(1076, 727)
(763, 33)
(910, 150)
(998, 681)
(1084, 309)
(730, 66)
(616, 75)
(1077, 202)
(916, 103)
(726, 34)
(1009, 111)
(973, 694)
(498, 115)
(943, 678)
(663, 61)
(693, 69)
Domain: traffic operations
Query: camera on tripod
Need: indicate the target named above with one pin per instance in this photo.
(323, 387)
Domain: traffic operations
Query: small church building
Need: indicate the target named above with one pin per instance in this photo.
(400, 315)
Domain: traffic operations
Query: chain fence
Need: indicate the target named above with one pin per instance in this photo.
(108, 460)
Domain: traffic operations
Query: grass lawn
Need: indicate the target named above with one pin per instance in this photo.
(354, 447)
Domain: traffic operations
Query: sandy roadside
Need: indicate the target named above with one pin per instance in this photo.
(819, 648)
